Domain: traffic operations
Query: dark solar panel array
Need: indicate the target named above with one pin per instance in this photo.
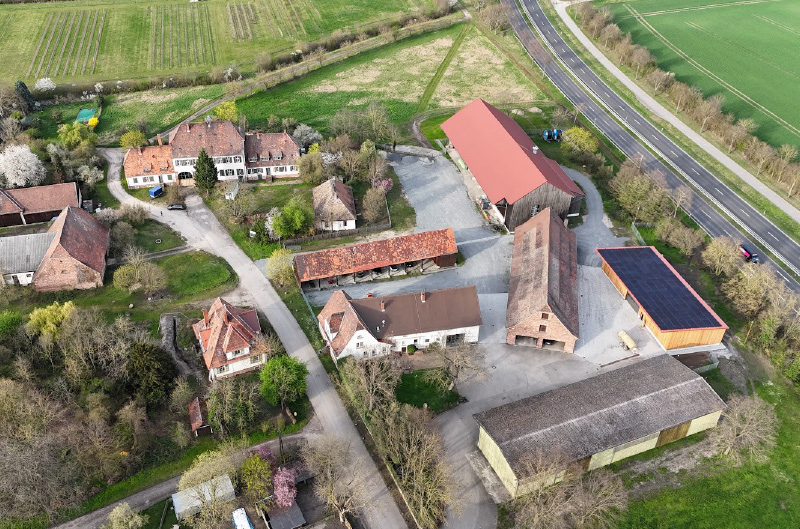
(661, 293)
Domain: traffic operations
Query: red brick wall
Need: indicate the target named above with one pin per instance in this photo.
(65, 274)
(555, 331)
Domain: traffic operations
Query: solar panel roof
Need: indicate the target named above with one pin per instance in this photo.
(660, 291)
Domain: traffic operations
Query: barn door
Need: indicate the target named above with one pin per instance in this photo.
(673, 434)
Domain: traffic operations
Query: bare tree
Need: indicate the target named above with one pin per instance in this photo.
(738, 133)
(786, 153)
(681, 197)
(494, 17)
(351, 164)
(560, 117)
(660, 80)
(597, 500)
(461, 362)
(709, 110)
(721, 256)
(624, 48)
(372, 382)
(684, 96)
(747, 290)
(748, 429)
(687, 240)
(337, 480)
(123, 517)
(760, 154)
(599, 21)
(641, 59)
(610, 35)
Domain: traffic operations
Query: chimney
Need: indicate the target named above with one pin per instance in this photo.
(158, 137)
(422, 297)
(535, 149)
(140, 150)
(205, 315)
(383, 306)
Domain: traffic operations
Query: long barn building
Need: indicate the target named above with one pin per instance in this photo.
(597, 421)
(517, 178)
(664, 301)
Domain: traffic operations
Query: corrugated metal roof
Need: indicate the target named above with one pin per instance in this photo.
(601, 412)
(24, 253)
(187, 502)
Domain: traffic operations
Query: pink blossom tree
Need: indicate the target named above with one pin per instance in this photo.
(284, 487)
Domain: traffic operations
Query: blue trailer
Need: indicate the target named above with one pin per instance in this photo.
(156, 192)
(547, 135)
(557, 134)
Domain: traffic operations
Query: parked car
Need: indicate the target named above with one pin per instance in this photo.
(176, 206)
(749, 255)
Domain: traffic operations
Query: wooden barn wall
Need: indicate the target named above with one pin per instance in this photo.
(679, 339)
(616, 281)
(546, 195)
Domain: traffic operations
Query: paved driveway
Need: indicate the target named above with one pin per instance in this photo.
(202, 231)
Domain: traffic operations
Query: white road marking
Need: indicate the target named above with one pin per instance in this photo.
(772, 235)
(673, 153)
(746, 213)
(695, 170)
(718, 191)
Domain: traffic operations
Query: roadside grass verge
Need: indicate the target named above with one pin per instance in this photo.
(294, 301)
(415, 389)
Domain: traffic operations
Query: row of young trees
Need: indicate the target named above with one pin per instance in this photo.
(737, 135)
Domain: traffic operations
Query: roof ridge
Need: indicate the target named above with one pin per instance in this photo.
(603, 410)
(12, 199)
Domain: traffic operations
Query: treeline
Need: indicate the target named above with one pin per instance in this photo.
(406, 437)
(737, 135)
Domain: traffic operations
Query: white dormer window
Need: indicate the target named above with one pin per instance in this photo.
(264, 158)
(252, 159)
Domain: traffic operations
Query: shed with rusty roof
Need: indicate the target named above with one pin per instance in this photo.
(543, 288)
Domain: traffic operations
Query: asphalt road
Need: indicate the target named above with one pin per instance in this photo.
(203, 231)
(746, 223)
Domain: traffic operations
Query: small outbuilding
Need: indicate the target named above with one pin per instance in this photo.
(671, 309)
(598, 421)
(31, 205)
(198, 417)
(543, 288)
(190, 501)
(357, 263)
(334, 206)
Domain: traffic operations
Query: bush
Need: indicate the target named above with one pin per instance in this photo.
(134, 213)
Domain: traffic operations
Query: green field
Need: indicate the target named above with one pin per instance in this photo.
(747, 50)
(397, 75)
(94, 39)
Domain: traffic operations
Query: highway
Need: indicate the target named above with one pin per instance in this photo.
(746, 224)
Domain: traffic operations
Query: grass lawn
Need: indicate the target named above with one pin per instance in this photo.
(398, 75)
(702, 47)
(104, 196)
(745, 497)
(194, 272)
(154, 516)
(151, 230)
(414, 389)
(87, 40)
(294, 301)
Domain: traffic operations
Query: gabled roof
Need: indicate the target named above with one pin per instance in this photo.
(218, 138)
(80, 236)
(224, 329)
(342, 319)
(197, 413)
(334, 201)
(601, 412)
(38, 199)
(400, 315)
(544, 271)
(369, 255)
(23, 253)
(278, 147)
(146, 161)
(659, 289)
(500, 155)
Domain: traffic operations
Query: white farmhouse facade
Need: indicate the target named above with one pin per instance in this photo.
(373, 327)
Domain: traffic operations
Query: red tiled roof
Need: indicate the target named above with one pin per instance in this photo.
(196, 414)
(80, 236)
(342, 319)
(270, 145)
(334, 201)
(369, 255)
(38, 199)
(224, 329)
(544, 271)
(218, 138)
(500, 155)
(145, 161)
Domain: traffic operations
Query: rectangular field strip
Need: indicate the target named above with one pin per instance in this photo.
(65, 43)
(180, 36)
